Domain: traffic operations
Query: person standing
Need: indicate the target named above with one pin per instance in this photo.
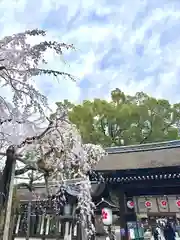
(169, 232)
(155, 233)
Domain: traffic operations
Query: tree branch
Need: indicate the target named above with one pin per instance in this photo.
(2, 68)
(10, 120)
(23, 170)
(51, 125)
(30, 140)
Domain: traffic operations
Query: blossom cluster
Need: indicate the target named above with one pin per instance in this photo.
(60, 151)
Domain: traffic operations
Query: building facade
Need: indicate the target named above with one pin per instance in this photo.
(142, 181)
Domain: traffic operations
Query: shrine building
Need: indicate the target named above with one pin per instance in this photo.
(140, 183)
(145, 181)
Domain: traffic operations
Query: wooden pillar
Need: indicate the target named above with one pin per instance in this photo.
(29, 207)
(123, 222)
(79, 231)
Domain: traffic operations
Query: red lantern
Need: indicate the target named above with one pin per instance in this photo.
(148, 204)
(104, 214)
(163, 203)
(178, 203)
(130, 204)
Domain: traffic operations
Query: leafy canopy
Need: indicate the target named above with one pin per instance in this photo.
(125, 120)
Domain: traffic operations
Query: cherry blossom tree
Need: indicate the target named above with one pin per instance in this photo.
(20, 63)
(56, 149)
(60, 153)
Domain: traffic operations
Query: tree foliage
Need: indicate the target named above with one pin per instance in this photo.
(61, 154)
(125, 120)
(21, 62)
(59, 150)
(56, 149)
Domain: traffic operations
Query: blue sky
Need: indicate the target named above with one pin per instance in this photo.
(130, 44)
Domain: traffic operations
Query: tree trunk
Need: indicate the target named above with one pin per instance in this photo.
(7, 224)
(6, 177)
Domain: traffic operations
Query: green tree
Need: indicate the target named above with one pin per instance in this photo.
(125, 119)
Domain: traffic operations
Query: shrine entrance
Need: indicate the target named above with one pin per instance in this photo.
(144, 181)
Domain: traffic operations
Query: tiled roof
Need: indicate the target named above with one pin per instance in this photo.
(152, 155)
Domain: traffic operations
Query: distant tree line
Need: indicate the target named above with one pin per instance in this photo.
(125, 120)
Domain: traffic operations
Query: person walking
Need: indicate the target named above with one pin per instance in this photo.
(155, 233)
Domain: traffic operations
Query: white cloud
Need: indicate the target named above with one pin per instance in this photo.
(133, 45)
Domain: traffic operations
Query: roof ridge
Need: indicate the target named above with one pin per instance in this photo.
(144, 147)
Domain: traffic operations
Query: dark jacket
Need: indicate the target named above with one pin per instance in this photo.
(169, 233)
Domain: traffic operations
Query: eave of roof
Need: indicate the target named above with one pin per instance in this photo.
(151, 155)
(144, 147)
